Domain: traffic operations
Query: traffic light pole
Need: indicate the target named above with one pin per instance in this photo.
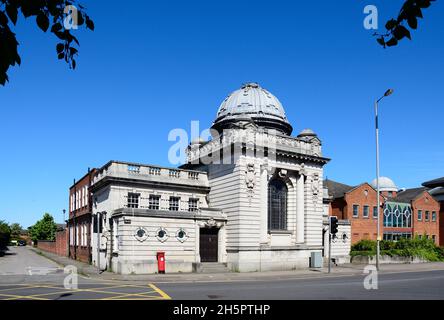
(329, 250)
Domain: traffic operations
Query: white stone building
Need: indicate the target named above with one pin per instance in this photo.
(251, 198)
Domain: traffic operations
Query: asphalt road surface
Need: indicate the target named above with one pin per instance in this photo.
(409, 285)
(25, 275)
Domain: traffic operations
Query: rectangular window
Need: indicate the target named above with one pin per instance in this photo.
(375, 212)
(154, 202)
(366, 211)
(433, 215)
(174, 203)
(133, 200)
(355, 211)
(427, 216)
(419, 215)
(434, 238)
(192, 205)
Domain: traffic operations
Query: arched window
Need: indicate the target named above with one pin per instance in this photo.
(277, 205)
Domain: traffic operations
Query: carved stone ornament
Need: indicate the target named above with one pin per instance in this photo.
(315, 188)
(302, 170)
(250, 179)
(210, 223)
(283, 173)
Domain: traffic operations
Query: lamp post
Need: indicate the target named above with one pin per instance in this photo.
(378, 239)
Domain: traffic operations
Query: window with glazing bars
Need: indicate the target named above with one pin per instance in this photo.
(174, 203)
(133, 200)
(154, 202)
(192, 204)
(277, 205)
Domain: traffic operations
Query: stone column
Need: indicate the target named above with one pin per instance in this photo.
(300, 212)
(264, 205)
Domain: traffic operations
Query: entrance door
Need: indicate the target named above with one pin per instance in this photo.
(209, 244)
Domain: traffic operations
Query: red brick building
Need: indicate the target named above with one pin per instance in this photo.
(436, 189)
(403, 214)
(80, 217)
(425, 211)
(356, 204)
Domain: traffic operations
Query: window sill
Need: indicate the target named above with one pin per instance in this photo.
(279, 232)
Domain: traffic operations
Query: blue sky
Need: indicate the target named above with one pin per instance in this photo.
(153, 66)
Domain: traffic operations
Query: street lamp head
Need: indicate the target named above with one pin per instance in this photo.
(388, 92)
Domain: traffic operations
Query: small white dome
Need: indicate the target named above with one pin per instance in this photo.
(385, 184)
(253, 102)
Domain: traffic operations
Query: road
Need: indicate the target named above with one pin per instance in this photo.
(47, 283)
(410, 285)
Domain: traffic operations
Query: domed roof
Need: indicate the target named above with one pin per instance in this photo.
(307, 133)
(385, 184)
(252, 102)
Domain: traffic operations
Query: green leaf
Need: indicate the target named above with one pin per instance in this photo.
(73, 51)
(56, 27)
(12, 12)
(412, 22)
(401, 32)
(392, 42)
(60, 47)
(61, 55)
(89, 24)
(381, 41)
(390, 24)
(42, 21)
(423, 3)
(3, 19)
(416, 11)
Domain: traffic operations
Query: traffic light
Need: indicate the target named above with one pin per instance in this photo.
(333, 225)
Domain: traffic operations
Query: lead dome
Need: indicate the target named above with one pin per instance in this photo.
(252, 103)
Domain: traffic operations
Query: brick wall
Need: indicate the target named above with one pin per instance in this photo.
(362, 227)
(59, 246)
(425, 202)
(441, 224)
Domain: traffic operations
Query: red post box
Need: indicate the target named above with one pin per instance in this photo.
(161, 262)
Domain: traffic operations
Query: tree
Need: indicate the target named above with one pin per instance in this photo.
(5, 235)
(44, 229)
(396, 28)
(62, 16)
(16, 230)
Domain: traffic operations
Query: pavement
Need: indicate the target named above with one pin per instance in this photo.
(27, 274)
(91, 272)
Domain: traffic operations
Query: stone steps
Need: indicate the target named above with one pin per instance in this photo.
(212, 267)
